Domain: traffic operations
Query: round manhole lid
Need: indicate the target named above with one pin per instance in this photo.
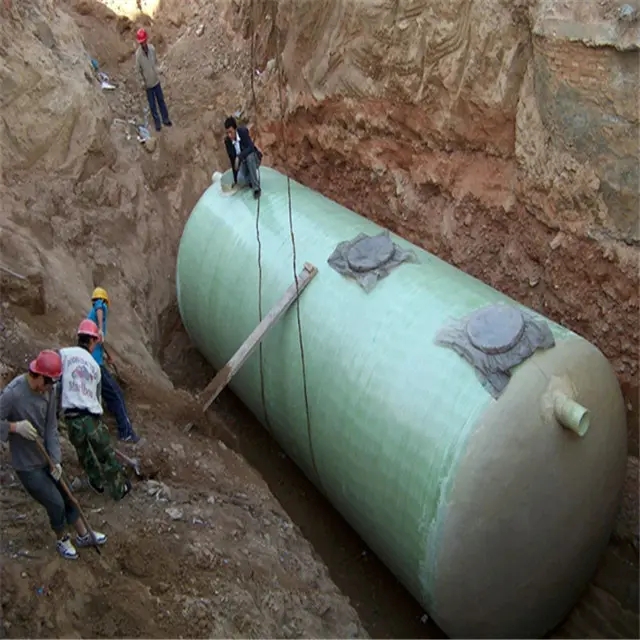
(495, 329)
(370, 253)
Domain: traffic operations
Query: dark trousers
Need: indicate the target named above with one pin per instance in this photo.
(50, 494)
(155, 95)
(114, 399)
(248, 173)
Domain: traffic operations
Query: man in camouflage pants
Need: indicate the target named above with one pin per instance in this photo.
(83, 414)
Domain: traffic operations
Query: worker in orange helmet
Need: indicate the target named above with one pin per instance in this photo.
(28, 410)
(82, 411)
(147, 67)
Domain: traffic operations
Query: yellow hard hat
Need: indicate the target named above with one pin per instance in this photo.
(100, 294)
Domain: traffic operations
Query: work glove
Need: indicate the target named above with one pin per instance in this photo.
(56, 472)
(25, 429)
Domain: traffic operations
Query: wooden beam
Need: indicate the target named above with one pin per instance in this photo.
(222, 378)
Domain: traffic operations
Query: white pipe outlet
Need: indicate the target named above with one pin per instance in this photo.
(571, 415)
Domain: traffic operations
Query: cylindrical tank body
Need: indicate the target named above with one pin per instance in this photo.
(490, 513)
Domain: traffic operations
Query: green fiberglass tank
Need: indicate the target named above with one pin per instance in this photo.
(478, 448)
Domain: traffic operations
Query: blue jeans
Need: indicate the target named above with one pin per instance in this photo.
(155, 95)
(50, 494)
(114, 399)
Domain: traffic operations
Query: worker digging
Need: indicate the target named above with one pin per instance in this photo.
(82, 411)
(28, 412)
(111, 393)
(147, 67)
(244, 155)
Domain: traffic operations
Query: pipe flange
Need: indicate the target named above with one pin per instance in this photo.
(495, 329)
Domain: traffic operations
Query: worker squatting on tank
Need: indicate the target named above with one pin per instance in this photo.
(244, 156)
(28, 409)
(82, 412)
(111, 393)
(147, 67)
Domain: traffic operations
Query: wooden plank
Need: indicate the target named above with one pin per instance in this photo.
(222, 378)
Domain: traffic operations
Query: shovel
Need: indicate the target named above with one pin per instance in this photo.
(134, 463)
(71, 497)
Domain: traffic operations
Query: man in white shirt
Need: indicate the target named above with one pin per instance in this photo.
(80, 404)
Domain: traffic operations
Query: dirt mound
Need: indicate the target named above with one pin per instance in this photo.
(202, 550)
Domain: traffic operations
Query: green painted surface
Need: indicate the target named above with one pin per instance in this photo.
(390, 411)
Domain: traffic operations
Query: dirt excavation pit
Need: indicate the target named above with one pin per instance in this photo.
(223, 536)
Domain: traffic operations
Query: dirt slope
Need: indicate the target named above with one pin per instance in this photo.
(203, 550)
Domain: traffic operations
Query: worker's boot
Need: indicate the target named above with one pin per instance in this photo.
(96, 488)
(87, 540)
(66, 549)
(131, 438)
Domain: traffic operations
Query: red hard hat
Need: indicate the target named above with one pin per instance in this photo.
(89, 328)
(141, 36)
(48, 363)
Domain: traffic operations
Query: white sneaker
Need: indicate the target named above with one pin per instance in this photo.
(87, 540)
(66, 549)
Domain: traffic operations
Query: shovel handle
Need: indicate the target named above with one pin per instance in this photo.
(71, 497)
(132, 462)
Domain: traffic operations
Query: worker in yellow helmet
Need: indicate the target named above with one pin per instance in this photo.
(112, 395)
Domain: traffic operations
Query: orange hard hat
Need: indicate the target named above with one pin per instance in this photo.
(48, 363)
(88, 328)
(141, 36)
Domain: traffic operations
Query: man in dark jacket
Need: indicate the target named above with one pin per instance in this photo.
(245, 157)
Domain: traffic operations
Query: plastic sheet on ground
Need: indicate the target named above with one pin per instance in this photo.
(368, 259)
(494, 340)
(105, 83)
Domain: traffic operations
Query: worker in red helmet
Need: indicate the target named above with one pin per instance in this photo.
(28, 410)
(82, 411)
(147, 67)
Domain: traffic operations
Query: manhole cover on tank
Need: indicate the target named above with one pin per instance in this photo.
(495, 329)
(370, 253)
